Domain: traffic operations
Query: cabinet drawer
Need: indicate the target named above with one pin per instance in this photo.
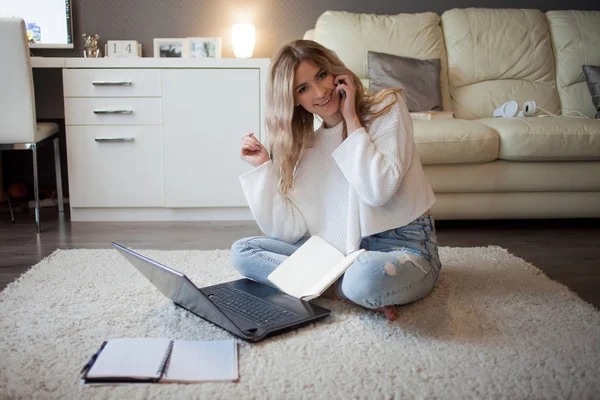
(111, 82)
(115, 166)
(113, 111)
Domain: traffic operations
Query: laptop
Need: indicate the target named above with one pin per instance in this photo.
(250, 310)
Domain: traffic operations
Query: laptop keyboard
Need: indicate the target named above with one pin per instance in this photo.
(256, 310)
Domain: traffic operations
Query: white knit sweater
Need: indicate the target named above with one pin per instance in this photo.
(345, 190)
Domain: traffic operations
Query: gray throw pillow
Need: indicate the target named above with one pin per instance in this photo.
(420, 79)
(592, 76)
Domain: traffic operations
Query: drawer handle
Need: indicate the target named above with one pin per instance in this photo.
(111, 83)
(113, 111)
(114, 139)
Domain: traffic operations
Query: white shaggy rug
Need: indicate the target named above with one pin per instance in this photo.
(494, 327)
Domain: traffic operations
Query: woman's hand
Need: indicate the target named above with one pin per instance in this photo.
(253, 152)
(347, 104)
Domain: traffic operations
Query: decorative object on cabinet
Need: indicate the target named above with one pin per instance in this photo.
(123, 48)
(243, 38)
(204, 47)
(90, 45)
(170, 48)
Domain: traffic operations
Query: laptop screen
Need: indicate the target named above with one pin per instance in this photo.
(177, 287)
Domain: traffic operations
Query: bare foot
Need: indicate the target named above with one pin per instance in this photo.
(389, 312)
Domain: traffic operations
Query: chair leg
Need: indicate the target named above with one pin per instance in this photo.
(59, 188)
(12, 215)
(36, 191)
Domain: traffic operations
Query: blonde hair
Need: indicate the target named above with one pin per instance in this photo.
(289, 128)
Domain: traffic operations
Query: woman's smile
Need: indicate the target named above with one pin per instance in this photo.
(326, 101)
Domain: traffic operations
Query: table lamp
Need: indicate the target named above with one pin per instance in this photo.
(243, 36)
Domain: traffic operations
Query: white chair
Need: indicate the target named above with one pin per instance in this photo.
(19, 129)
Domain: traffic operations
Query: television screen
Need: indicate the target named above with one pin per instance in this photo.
(48, 22)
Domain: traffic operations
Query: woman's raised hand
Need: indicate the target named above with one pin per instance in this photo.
(347, 107)
(253, 152)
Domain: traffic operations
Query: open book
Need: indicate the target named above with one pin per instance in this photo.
(135, 360)
(311, 269)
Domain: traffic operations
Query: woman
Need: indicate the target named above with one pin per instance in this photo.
(357, 182)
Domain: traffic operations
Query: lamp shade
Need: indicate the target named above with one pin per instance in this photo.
(243, 37)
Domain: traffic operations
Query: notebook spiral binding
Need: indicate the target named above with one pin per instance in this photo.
(164, 365)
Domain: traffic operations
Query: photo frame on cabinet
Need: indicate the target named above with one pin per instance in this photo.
(204, 47)
(170, 48)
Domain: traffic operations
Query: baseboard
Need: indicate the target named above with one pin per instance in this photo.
(161, 214)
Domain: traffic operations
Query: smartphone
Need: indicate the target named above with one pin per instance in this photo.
(342, 91)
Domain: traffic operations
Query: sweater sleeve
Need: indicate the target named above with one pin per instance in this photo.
(277, 215)
(375, 162)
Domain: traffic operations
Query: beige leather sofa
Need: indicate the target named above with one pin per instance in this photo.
(482, 167)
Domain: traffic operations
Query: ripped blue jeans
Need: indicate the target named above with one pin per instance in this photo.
(399, 266)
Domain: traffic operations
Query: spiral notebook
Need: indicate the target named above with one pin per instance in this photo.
(137, 360)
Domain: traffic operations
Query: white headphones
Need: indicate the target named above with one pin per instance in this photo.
(528, 109)
(509, 109)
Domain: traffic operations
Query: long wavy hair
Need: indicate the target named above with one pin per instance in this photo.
(290, 129)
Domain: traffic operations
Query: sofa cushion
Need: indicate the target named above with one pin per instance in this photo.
(497, 55)
(351, 36)
(514, 176)
(575, 37)
(420, 79)
(455, 141)
(547, 138)
(309, 35)
(592, 77)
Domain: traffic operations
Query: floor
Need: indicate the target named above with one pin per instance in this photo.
(566, 250)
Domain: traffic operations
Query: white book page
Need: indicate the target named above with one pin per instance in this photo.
(332, 275)
(197, 361)
(305, 267)
(136, 358)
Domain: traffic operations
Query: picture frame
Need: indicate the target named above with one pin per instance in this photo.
(170, 48)
(204, 47)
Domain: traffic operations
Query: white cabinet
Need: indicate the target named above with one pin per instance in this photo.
(116, 166)
(205, 114)
(159, 139)
(114, 138)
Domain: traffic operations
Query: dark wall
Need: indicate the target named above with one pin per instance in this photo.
(276, 21)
